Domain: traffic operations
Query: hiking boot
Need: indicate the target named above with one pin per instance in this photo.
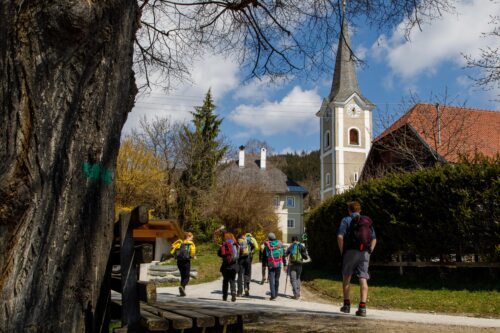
(233, 298)
(247, 292)
(272, 298)
(345, 309)
(182, 292)
(361, 312)
(224, 298)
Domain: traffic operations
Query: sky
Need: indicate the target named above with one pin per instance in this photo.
(428, 66)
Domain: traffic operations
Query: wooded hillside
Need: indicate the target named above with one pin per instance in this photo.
(305, 169)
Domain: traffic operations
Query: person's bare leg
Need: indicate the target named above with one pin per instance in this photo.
(363, 290)
(363, 294)
(346, 308)
(346, 285)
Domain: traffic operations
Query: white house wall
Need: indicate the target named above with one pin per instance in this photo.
(284, 213)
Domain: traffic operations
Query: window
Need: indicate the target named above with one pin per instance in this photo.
(354, 136)
(327, 179)
(276, 201)
(291, 223)
(327, 139)
(290, 201)
(356, 177)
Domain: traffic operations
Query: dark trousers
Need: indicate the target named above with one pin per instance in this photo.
(295, 271)
(184, 268)
(244, 274)
(274, 280)
(228, 279)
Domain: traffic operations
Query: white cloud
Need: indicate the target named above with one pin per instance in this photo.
(361, 52)
(443, 40)
(259, 89)
(464, 81)
(295, 113)
(288, 150)
(219, 73)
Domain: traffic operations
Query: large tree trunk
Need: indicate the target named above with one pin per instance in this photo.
(66, 86)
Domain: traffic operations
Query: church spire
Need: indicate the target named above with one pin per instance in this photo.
(345, 82)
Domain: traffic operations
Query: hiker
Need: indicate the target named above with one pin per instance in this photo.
(357, 240)
(183, 251)
(247, 245)
(274, 254)
(296, 253)
(263, 261)
(229, 252)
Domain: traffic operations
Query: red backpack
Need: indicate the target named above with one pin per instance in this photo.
(274, 254)
(360, 233)
(229, 252)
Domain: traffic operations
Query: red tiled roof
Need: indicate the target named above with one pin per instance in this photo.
(463, 131)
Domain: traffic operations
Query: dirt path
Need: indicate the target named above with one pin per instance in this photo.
(288, 315)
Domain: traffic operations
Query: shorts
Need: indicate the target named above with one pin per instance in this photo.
(356, 262)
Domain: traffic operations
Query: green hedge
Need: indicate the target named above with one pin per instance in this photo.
(447, 209)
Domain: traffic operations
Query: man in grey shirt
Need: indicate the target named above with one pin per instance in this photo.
(356, 238)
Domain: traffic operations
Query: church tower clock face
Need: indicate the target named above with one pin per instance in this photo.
(353, 111)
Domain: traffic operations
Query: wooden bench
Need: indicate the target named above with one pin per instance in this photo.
(135, 301)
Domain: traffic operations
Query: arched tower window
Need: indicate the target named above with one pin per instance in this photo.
(328, 180)
(354, 137)
(327, 139)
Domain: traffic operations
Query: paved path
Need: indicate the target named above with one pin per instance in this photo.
(259, 297)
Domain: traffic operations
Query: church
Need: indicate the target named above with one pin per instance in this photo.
(430, 133)
(345, 124)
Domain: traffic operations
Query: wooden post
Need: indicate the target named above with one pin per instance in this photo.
(128, 266)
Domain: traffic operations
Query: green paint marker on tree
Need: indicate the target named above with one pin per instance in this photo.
(97, 171)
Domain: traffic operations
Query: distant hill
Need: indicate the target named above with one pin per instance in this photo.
(305, 169)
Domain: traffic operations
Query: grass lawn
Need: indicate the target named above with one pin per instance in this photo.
(207, 263)
(450, 292)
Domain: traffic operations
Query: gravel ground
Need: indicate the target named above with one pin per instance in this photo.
(285, 314)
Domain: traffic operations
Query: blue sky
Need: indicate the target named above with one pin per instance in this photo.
(429, 66)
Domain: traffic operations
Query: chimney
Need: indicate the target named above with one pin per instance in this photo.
(263, 158)
(241, 160)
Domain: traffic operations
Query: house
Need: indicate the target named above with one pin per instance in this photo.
(288, 198)
(429, 133)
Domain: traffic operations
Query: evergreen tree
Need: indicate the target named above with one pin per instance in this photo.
(203, 150)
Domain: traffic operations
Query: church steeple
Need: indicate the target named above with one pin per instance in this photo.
(345, 82)
(345, 122)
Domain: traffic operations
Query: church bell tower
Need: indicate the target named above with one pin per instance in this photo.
(345, 121)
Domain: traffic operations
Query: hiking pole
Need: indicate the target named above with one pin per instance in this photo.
(286, 279)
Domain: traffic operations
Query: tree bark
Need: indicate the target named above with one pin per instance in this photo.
(66, 87)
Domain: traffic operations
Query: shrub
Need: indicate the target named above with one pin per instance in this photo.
(446, 209)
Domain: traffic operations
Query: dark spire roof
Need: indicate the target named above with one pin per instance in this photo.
(345, 82)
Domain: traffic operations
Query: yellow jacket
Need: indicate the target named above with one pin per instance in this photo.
(177, 245)
(255, 245)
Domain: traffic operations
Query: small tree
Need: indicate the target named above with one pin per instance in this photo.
(162, 137)
(202, 150)
(140, 178)
(241, 207)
